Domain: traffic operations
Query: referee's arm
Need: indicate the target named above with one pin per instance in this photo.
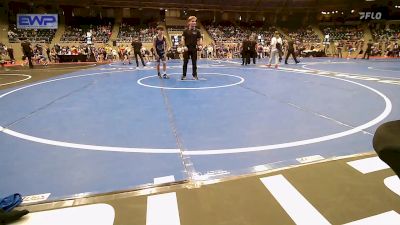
(183, 41)
(200, 41)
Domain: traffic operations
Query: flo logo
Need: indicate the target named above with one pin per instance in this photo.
(370, 15)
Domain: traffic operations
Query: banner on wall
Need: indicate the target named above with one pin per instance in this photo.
(37, 21)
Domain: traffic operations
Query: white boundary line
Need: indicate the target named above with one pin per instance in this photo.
(99, 214)
(383, 115)
(16, 74)
(56, 68)
(162, 209)
(368, 165)
(352, 74)
(293, 202)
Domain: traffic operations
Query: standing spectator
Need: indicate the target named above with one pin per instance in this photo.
(27, 50)
(210, 50)
(10, 51)
(368, 50)
(253, 45)
(340, 49)
(396, 50)
(291, 50)
(48, 52)
(359, 49)
(260, 50)
(245, 52)
(276, 44)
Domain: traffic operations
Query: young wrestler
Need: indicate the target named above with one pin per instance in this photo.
(160, 46)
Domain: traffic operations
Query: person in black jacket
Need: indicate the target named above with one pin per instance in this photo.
(253, 46)
(27, 50)
(10, 51)
(291, 50)
(137, 45)
(191, 40)
(369, 49)
(48, 52)
(244, 48)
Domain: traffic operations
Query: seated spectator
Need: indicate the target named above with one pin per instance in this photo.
(76, 31)
(32, 35)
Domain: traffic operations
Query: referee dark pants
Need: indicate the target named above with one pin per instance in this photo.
(248, 56)
(192, 53)
(288, 54)
(254, 55)
(367, 53)
(29, 56)
(136, 58)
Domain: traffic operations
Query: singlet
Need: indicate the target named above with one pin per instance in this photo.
(160, 45)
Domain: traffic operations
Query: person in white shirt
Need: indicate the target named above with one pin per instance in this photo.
(276, 44)
(210, 52)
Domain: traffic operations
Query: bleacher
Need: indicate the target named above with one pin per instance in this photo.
(343, 32)
(391, 33)
(305, 35)
(16, 35)
(75, 30)
(131, 29)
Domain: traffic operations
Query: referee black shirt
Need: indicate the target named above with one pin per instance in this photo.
(291, 46)
(137, 45)
(191, 37)
(26, 48)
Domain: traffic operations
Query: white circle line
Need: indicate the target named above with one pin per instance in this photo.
(16, 74)
(87, 147)
(74, 145)
(189, 88)
(58, 79)
(382, 116)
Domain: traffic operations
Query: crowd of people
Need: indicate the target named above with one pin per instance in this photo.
(35, 35)
(305, 35)
(127, 33)
(388, 33)
(6, 54)
(344, 41)
(227, 32)
(356, 49)
(100, 33)
(343, 32)
(386, 40)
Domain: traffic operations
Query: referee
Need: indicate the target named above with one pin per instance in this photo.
(27, 50)
(191, 40)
